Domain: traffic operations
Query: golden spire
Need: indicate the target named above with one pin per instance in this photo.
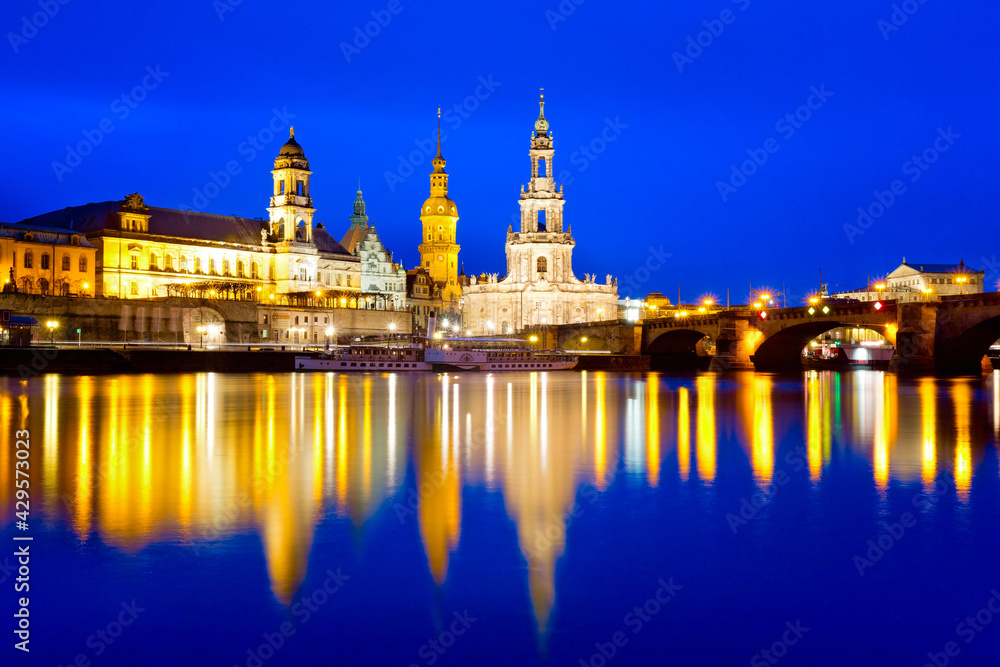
(291, 132)
(541, 125)
(439, 132)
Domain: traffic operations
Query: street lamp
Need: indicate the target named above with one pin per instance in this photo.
(202, 329)
(600, 314)
(52, 325)
(961, 280)
(329, 332)
(392, 331)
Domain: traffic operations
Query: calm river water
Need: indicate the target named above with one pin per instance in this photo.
(507, 519)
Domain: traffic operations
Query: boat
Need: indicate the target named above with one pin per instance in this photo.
(849, 358)
(365, 359)
(493, 354)
(435, 352)
(440, 354)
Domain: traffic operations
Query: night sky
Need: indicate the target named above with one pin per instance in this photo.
(646, 124)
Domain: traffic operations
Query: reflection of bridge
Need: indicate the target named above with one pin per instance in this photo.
(949, 336)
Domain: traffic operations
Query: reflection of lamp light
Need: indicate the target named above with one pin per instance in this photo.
(52, 325)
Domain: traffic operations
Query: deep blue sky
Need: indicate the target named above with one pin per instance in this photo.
(655, 185)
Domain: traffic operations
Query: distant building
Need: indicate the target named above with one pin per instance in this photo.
(40, 260)
(917, 282)
(540, 287)
(382, 279)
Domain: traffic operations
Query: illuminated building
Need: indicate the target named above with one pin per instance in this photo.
(147, 252)
(435, 284)
(47, 261)
(380, 276)
(540, 287)
(915, 282)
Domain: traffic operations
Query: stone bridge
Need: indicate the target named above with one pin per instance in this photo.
(949, 336)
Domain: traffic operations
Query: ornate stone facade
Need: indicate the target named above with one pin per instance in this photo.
(381, 277)
(540, 286)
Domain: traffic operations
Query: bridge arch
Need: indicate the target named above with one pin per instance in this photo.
(679, 350)
(781, 351)
(963, 353)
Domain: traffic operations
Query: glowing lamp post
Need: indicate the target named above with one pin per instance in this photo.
(202, 330)
(329, 332)
(961, 280)
(392, 331)
(52, 325)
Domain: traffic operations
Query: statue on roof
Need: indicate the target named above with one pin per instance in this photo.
(134, 202)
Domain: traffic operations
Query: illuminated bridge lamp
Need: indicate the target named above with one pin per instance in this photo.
(826, 309)
(812, 311)
(878, 305)
(757, 305)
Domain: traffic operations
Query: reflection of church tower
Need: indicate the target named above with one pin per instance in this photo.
(439, 215)
(291, 210)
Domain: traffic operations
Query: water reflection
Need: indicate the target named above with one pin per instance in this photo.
(199, 459)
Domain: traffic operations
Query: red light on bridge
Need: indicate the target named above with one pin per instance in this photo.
(762, 314)
(878, 305)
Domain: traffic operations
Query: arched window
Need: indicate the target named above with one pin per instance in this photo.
(83, 264)
(28, 259)
(543, 265)
(254, 271)
(43, 284)
(225, 267)
(211, 265)
(27, 285)
(153, 260)
(240, 269)
(168, 263)
(541, 167)
(184, 264)
(64, 289)
(65, 263)
(45, 260)
(197, 264)
(503, 327)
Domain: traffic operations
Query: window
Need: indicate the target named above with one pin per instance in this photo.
(300, 189)
(168, 263)
(254, 271)
(541, 220)
(65, 263)
(134, 262)
(541, 167)
(225, 267)
(211, 265)
(43, 284)
(64, 289)
(134, 288)
(153, 261)
(296, 319)
(83, 264)
(197, 264)
(45, 260)
(281, 188)
(184, 264)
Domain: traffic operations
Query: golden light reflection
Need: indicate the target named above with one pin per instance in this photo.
(928, 423)
(705, 386)
(653, 430)
(600, 432)
(683, 433)
(762, 448)
(818, 410)
(961, 393)
(885, 425)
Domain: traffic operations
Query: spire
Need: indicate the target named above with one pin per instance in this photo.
(541, 125)
(291, 131)
(359, 218)
(439, 133)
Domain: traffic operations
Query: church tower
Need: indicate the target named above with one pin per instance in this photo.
(543, 251)
(291, 211)
(439, 215)
(541, 205)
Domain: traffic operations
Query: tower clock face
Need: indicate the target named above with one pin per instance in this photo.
(440, 258)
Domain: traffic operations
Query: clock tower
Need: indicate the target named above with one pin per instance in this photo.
(439, 215)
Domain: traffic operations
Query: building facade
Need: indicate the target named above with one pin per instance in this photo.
(381, 277)
(921, 282)
(540, 286)
(148, 252)
(37, 260)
